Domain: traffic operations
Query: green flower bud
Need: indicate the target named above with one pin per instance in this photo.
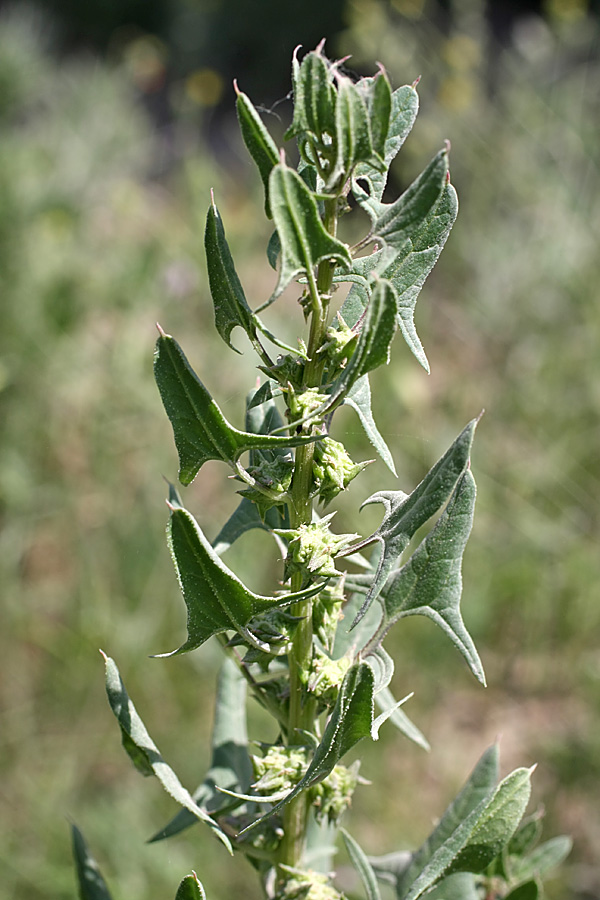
(332, 796)
(339, 344)
(333, 470)
(279, 770)
(306, 885)
(312, 548)
(325, 676)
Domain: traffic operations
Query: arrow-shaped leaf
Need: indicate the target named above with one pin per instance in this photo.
(190, 889)
(359, 398)
(90, 882)
(303, 237)
(230, 766)
(260, 144)
(405, 515)
(405, 105)
(143, 751)
(215, 598)
(430, 583)
(351, 720)
(231, 308)
(201, 430)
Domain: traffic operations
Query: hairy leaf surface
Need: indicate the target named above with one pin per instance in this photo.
(143, 751)
(190, 889)
(362, 865)
(90, 882)
(201, 430)
(359, 398)
(261, 146)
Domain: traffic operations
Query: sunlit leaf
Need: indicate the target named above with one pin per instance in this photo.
(404, 515)
(430, 584)
(260, 144)
(201, 430)
(362, 865)
(231, 308)
(303, 238)
(230, 766)
(144, 752)
(91, 885)
(314, 97)
(353, 132)
(215, 598)
(359, 398)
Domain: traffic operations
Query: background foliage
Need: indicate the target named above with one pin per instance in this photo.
(100, 235)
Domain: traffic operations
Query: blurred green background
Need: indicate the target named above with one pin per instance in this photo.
(116, 122)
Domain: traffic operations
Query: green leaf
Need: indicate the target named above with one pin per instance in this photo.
(462, 886)
(190, 889)
(373, 347)
(379, 104)
(351, 721)
(230, 766)
(405, 105)
(201, 430)
(390, 867)
(261, 146)
(314, 97)
(231, 308)
(408, 269)
(541, 860)
(304, 240)
(144, 752)
(430, 584)
(353, 133)
(404, 515)
(91, 884)
(244, 518)
(528, 891)
(362, 865)
(469, 843)
(215, 598)
(359, 398)
(477, 790)
(527, 834)
(386, 702)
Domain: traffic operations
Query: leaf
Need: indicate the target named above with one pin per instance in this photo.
(230, 766)
(351, 721)
(314, 97)
(390, 867)
(244, 518)
(201, 430)
(91, 884)
(353, 133)
(461, 886)
(477, 790)
(527, 835)
(304, 240)
(359, 398)
(379, 104)
(474, 841)
(362, 865)
(231, 308)
(384, 699)
(405, 515)
(373, 347)
(215, 598)
(541, 860)
(144, 752)
(261, 146)
(527, 891)
(405, 105)
(430, 584)
(190, 889)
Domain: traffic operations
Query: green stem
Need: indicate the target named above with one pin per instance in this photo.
(302, 708)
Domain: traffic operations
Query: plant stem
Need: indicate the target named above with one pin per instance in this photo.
(302, 709)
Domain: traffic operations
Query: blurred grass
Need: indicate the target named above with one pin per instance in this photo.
(92, 252)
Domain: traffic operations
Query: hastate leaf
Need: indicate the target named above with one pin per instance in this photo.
(201, 430)
(91, 885)
(352, 720)
(144, 752)
(430, 583)
(231, 308)
(359, 398)
(405, 105)
(404, 515)
(304, 240)
(230, 766)
(260, 144)
(215, 598)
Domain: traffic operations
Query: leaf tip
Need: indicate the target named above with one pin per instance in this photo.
(415, 82)
(160, 330)
(103, 654)
(236, 88)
